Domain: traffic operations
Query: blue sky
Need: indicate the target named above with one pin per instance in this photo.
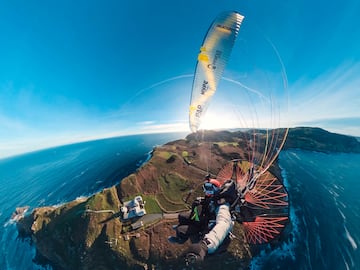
(78, 70)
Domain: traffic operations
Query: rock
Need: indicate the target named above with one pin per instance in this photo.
(19, 213)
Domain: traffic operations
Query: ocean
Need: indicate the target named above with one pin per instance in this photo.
(61, 174)
(323, 233)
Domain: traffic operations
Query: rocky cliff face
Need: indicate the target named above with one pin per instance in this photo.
(89, 233)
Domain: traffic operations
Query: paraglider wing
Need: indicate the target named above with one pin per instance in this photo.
(214, 55)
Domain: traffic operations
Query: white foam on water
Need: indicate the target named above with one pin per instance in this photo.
(350, 238)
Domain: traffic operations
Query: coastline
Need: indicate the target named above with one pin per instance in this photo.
(166, 163)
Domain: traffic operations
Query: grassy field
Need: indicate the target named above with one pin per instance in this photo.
(168, 205)
(151, 205)
(174, 187)
(164, 154)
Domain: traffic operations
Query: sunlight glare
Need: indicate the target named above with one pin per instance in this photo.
(213, 120)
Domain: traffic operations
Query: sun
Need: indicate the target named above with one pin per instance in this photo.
(216, 120)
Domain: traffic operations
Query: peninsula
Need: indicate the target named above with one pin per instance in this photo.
(92, 233)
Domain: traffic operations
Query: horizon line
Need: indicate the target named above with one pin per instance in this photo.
(148, 132)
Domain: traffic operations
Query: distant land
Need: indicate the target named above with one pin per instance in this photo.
(320, 140)
(89, 233)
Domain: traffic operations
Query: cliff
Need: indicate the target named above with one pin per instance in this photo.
(89, 233)
(317, 139)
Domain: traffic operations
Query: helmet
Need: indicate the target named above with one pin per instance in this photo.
(211, 187)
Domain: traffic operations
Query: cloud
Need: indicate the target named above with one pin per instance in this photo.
(174, 126)
(149, 90)
(145, 123)
(30, 120)
(347, 125)
(7, 123)
(332, 98)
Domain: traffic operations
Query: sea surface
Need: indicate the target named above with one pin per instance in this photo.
(324, 229)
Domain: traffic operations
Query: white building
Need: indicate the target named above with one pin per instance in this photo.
(133, 208)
